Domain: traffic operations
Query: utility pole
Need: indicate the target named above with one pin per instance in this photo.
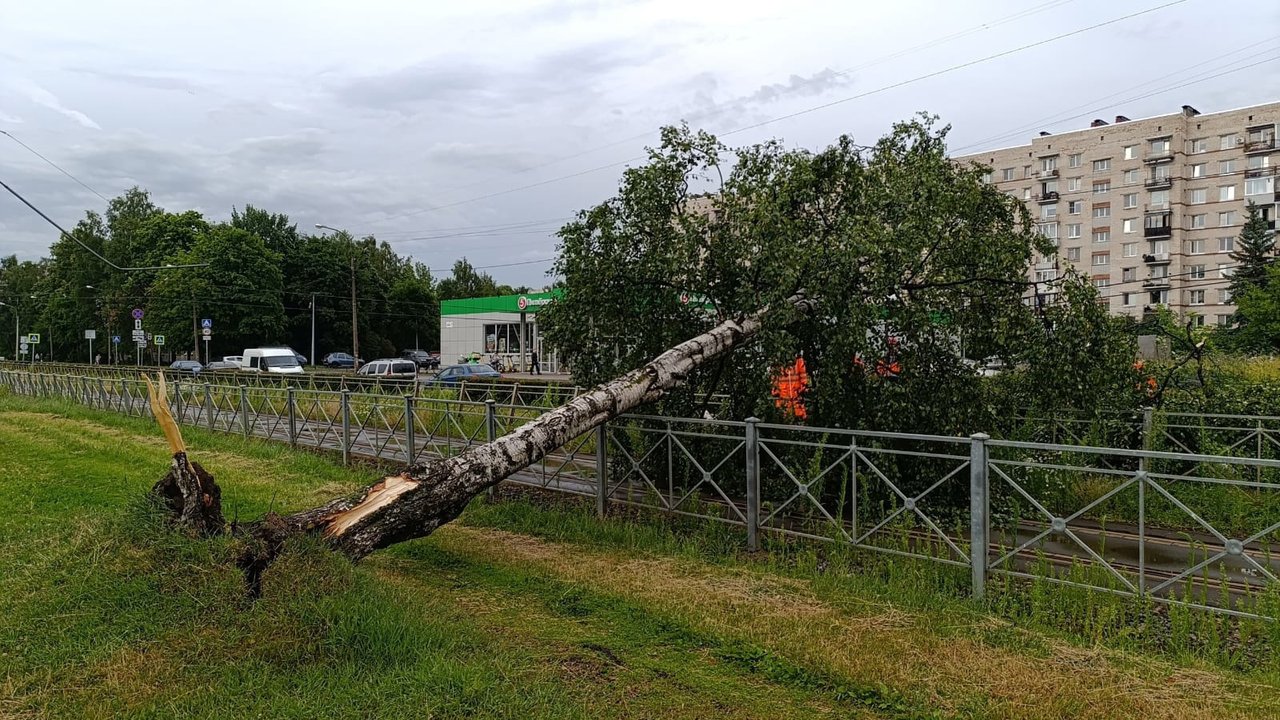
(195, 331)
(355, 328)
(313, 329)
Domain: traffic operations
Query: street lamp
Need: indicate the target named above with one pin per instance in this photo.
(17, 320)
(355, 331)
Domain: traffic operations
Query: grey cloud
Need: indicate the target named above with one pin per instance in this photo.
(480, 156)
(151, 82)
(298, 149)
(815, 84)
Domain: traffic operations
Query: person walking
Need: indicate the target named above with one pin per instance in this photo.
(533, 365)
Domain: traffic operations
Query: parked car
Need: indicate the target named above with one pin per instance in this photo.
(235, 359)
(338, 360)
(222, 365)
(186, 366)
(423, 358)
(389, 367)
(280, 361)
(460, 373)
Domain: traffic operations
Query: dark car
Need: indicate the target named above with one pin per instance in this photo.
(338, 360)
(462, 373)
(424, 359)
(186, 366)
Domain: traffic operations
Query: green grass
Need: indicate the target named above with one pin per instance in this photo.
(528, 608)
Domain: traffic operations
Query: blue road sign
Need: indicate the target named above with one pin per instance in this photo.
(137, 313)
(206, 323)
(115, 339)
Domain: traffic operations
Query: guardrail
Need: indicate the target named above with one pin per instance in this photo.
(1180, 527)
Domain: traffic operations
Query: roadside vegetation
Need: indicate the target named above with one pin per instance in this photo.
(531, 607)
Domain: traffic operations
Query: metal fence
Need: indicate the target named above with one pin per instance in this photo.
(1187, 528)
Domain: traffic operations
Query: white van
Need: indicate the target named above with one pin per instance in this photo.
(270, 360)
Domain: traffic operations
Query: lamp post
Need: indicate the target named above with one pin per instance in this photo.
(355, 325)
(90, 287)
(313, 329)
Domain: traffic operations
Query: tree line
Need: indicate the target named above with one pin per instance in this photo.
(257, 280)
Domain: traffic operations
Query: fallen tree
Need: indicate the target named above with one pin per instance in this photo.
(413, 503)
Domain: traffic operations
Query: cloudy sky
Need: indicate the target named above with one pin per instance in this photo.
(455, 129)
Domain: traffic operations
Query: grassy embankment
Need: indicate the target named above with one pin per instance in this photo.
(524, 609)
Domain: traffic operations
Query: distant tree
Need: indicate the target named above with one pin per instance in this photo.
(1254, 253)
(466, 282)
(1258, 315)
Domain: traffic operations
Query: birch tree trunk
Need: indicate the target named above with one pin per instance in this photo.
(414, 503)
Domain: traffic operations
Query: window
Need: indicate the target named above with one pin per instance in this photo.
(1259, 186)
(1131, 200)
(1132, 177)
(1129, 249)
(1226, 167)
(986, 178)
(1102, 282)
(1160, 146)
(1073, 184)
(1197, 221)
(1073, 230)
(1101, 236)
(1049, 230)
(1102, 188)
(1226, 142)
(1129, 275)
(1196, 272)
(1227, 192)
(1046, 275)
(1197, 320)
(1102, 258)
(1226, 244)
(1197, 170)
(1224, 320)
(1199, 145)
(1074, 207)
(1257, 162)
(1073, 160)
(1159, 272)
(1102, 211)
(1073, 254)
(1159, 199)
(1195, 247)
(1026, 171)
(505, 337)
(1159, 297)
(1160, 247)
(1049, 211)
(1127, 299)
(1129, 225)
(1198, 196)
(1130, 152)
(1006, 174)
(1224, 296)
(1225, 270)
(1227, 219)
(1102, 165)
(1049, 164)
(1026, 193)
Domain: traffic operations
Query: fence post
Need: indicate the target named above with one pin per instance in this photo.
(102, 394)
(346, 426)
(602, 470)
(490, 428)
(1147, 421)
(752, 446)
(411, 451)
(244, 410)
(979, 505)
(177, 400)
(208, 406)
(293, 416)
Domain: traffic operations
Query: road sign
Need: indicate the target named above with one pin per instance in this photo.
(137, 313)
(207, 332)
(90, 334)
(34, 338)
(137, 324)
(206, 323)
(115, 339)
(159, 339)
(22, 347)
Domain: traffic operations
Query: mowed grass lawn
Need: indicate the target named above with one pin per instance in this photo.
(521, 610)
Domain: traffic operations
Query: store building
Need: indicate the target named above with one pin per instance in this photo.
(504, 327)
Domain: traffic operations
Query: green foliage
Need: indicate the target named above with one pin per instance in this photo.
(467, 282)
(912, 257)
(1254, 253)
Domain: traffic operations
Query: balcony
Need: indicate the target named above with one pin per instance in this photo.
(1048, 173)
(1257, 146)
(1157, 158)
(1158, 231)
(1156, 258)
(1157, 209)
(1159, 182)
(1154, 283)
(1049, 197)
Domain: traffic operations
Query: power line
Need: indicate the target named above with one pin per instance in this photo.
(95, 253)
(55, 166)
(805, 111)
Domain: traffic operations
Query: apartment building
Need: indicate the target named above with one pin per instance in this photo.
(1149, 209)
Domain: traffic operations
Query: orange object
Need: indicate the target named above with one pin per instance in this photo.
(788, 387)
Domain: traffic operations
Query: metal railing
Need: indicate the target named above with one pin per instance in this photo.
(1165, 514)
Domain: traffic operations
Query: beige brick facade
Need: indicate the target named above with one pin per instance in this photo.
(1148, 208)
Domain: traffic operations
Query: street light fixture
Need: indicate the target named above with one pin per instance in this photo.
(355, 332)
